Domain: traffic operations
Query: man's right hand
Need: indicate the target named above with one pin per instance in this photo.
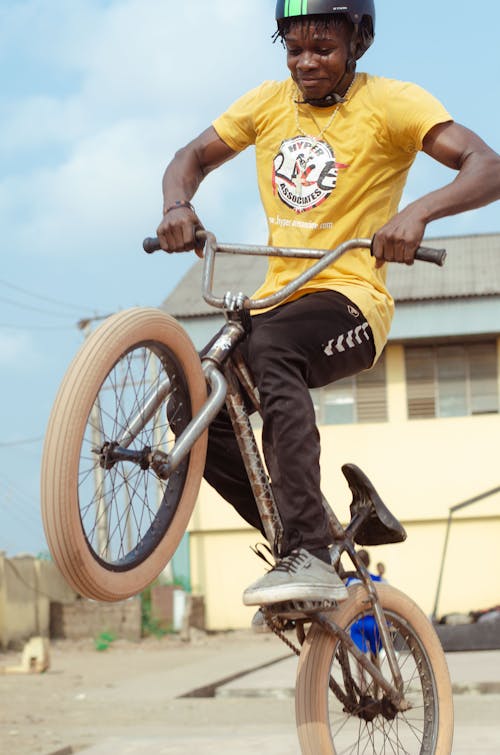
(176, 232)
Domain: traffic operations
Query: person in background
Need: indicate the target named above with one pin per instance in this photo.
(364, 632)
(380, 570)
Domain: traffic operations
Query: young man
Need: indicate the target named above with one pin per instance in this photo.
(333, 150)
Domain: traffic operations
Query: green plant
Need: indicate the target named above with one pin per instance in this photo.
(150, 626)
(104, 640)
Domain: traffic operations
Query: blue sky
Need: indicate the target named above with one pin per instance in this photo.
(95, 97)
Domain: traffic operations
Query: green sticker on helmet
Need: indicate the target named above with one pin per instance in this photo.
(295, 8)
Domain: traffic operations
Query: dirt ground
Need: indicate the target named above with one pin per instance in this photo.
(129, 689)
(113, 699)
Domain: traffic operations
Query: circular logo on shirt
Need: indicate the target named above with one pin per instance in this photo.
(304, 172)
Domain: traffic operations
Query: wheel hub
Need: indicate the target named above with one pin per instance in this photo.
(111, 452)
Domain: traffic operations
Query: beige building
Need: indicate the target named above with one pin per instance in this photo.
(424, 425)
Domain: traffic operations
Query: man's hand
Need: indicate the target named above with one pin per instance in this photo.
(176, 232)
(399, 239)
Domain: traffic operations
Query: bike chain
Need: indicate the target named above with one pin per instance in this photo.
(273, 626)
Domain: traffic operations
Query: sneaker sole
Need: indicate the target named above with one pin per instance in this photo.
(284, 593)
(295, 610)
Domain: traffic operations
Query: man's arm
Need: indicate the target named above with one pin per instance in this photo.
(477, 184)
(181, 179)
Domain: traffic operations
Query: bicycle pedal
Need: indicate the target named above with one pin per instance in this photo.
(315, 606)
(293, 609)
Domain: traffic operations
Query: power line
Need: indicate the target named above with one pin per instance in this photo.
(11, 487)
(34, 588)
(23, 442)
(34, 309)
(18, 504)
(36, 327)
(59, 303)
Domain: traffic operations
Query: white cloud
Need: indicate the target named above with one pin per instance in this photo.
(150, 77)
(14, 348)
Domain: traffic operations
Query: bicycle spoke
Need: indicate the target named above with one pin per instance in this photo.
(355, 696)
(122, 507)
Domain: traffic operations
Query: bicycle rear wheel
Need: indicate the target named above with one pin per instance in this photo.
(340, 709)
(113, 527)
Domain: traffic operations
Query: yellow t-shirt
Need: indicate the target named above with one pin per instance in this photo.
(318, 193)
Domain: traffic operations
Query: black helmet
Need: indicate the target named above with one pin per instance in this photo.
(360, 12)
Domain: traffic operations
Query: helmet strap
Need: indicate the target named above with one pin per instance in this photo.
(350, 65)
(333, 98)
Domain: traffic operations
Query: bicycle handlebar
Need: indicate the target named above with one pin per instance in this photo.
(423, 253)
(430, 254)
(323, 259)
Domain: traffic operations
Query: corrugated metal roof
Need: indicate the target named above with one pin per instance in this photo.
(232, 273)
(472, 269)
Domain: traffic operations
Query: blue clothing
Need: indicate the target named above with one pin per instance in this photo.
(365, 632)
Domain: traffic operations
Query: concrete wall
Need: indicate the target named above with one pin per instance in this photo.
(36, 601)
(88, 618)
(27, 588)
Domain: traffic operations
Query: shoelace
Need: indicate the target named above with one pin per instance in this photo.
(292, 562)
(258, 550)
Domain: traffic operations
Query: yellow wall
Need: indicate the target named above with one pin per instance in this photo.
(470, 578)
(222, 565)
(421, 468)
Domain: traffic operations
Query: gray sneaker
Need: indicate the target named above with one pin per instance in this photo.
(299, 576)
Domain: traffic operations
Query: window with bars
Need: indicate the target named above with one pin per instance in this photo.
(360, 398)
(454, 380)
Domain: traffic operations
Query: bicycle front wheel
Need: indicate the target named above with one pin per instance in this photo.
(111, 523)
(341, 709)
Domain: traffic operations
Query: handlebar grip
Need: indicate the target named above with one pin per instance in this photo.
(425, 254)
(428, 254)
(151, 244)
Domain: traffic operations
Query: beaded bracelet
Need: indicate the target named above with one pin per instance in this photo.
(177, 204)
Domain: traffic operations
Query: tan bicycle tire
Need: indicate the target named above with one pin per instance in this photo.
(318, 650)
(62, 448)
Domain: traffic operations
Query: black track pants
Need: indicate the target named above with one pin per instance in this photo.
(304, 344)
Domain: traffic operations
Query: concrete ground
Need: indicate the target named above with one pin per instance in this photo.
(137, 699)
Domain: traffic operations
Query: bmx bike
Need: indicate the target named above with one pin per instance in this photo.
(122, 464)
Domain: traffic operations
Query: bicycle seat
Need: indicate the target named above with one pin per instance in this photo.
(380, 526)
